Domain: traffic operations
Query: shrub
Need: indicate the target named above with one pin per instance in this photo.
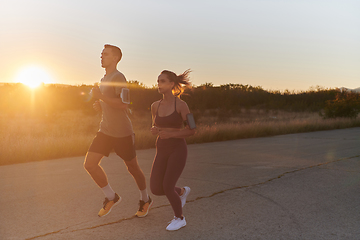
(346, 104)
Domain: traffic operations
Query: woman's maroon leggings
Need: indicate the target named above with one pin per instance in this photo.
(167, 167)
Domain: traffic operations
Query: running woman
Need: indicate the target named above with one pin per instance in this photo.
(115, 132)
(168, 115)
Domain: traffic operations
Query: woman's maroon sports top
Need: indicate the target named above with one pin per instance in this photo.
(173, 120)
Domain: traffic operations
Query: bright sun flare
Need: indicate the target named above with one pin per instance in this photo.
(33, 76)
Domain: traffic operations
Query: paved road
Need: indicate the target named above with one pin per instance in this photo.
(297, 186)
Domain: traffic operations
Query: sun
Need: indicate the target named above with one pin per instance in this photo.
(33, 76)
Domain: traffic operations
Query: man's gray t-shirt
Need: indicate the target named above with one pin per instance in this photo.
(114, 122)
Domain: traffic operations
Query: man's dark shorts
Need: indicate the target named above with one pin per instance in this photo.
(123, 147)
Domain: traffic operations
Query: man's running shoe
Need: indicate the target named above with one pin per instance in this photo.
(144, 208)
(184, 196)
(176, 224)
(108, 205)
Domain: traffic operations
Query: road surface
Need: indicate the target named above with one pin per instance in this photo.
(296, 186)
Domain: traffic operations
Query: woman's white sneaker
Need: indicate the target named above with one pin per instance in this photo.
(184, 196)
(176, 224)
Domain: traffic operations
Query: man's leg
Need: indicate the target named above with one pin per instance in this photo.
(145, 202)
(97, 173)
(92, 166)
(135, 170)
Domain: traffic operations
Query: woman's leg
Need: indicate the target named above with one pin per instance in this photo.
(158, 172)
(175, 166)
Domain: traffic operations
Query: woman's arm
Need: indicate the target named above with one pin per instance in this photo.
(183, 133)
(154, 130)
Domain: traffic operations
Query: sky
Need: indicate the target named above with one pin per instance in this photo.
(274, 44)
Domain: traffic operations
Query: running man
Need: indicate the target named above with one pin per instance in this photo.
(168, 115)
(115, 133)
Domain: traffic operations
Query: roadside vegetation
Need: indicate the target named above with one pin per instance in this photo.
(56, 121)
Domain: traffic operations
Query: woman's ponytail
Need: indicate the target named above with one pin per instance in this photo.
(180, 81)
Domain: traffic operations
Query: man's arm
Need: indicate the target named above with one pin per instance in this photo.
(97, 106)
(112, 102)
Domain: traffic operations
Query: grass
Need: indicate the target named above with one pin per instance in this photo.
(24, 140)
(254, 124)
(68, 134)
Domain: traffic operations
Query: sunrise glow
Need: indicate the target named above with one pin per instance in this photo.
(33, 76)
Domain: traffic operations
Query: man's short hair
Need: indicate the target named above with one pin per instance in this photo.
(115, 50)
